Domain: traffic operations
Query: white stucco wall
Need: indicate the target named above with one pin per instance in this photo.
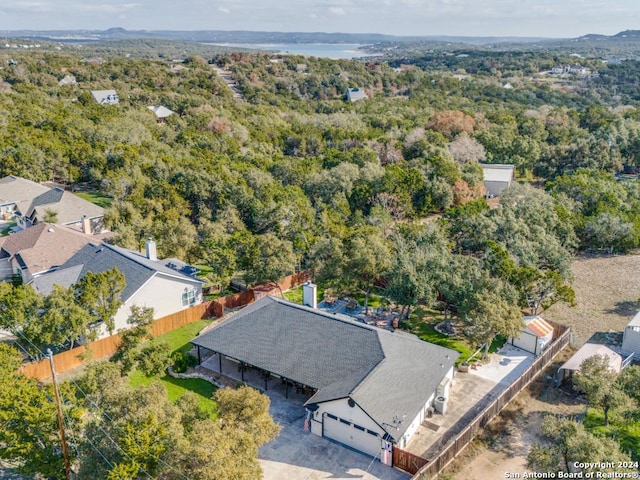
(163, 293)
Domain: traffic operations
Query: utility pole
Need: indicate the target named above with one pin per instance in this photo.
(63, 440)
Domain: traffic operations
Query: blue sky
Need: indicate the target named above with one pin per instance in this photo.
(548, 18)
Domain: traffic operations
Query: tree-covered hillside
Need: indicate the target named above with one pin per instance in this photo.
(386, 192)
(293, 175)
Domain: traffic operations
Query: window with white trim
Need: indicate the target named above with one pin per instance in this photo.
(188, 297)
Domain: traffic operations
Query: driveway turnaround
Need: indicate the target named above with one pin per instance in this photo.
(300, 455)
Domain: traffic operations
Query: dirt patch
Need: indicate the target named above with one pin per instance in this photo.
(505, 441)
(607, 290)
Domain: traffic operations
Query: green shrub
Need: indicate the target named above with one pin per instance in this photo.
(182, 361)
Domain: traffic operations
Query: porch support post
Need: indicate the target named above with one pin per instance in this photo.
(266, 376)
(286, 388)
(242, 371)
(199, 357)
(220, 361)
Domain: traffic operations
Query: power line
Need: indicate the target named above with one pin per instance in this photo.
(103, 413)
(88, 440)
(63, 438)
(106, 434)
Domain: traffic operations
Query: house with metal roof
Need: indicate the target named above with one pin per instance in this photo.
(497, 178)
(369, 388)
(150, 282)
(536, 334)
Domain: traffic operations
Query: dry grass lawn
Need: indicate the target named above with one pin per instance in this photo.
(607, 290)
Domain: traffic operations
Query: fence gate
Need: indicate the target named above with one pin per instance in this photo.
(407, 461)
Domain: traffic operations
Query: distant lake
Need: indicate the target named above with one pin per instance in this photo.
(324, 50)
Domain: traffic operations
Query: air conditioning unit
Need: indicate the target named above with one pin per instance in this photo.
(441, 405)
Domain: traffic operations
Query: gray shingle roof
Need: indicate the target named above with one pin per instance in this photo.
(19, 191)
(403, 382)
(290, 341)
(389, 374)
(64, 277)
(69, 207)
(97, 258)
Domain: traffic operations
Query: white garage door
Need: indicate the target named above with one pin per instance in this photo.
(351, 435)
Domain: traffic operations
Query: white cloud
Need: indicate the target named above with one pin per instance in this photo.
(224, 10)
(337, 11)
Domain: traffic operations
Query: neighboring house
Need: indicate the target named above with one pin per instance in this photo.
(16, 194)
(631, 337)
(29, 203)
(589, 350)
(355, 94)
(150, 282)
(109, 97)
(577, 70)
(67, 80)
(497, 177)
(69, 210)
(535, 335)
(39, 249)
(161, 112)
(371, 387)
(569, 69)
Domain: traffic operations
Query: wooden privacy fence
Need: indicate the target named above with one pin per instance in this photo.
(451, 450)
(249, 296)
(106, 347)
(407, 461)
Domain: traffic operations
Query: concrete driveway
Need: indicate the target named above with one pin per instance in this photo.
(470, 393)
(300, 455)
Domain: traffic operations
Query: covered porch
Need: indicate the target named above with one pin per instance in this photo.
(222, 366)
